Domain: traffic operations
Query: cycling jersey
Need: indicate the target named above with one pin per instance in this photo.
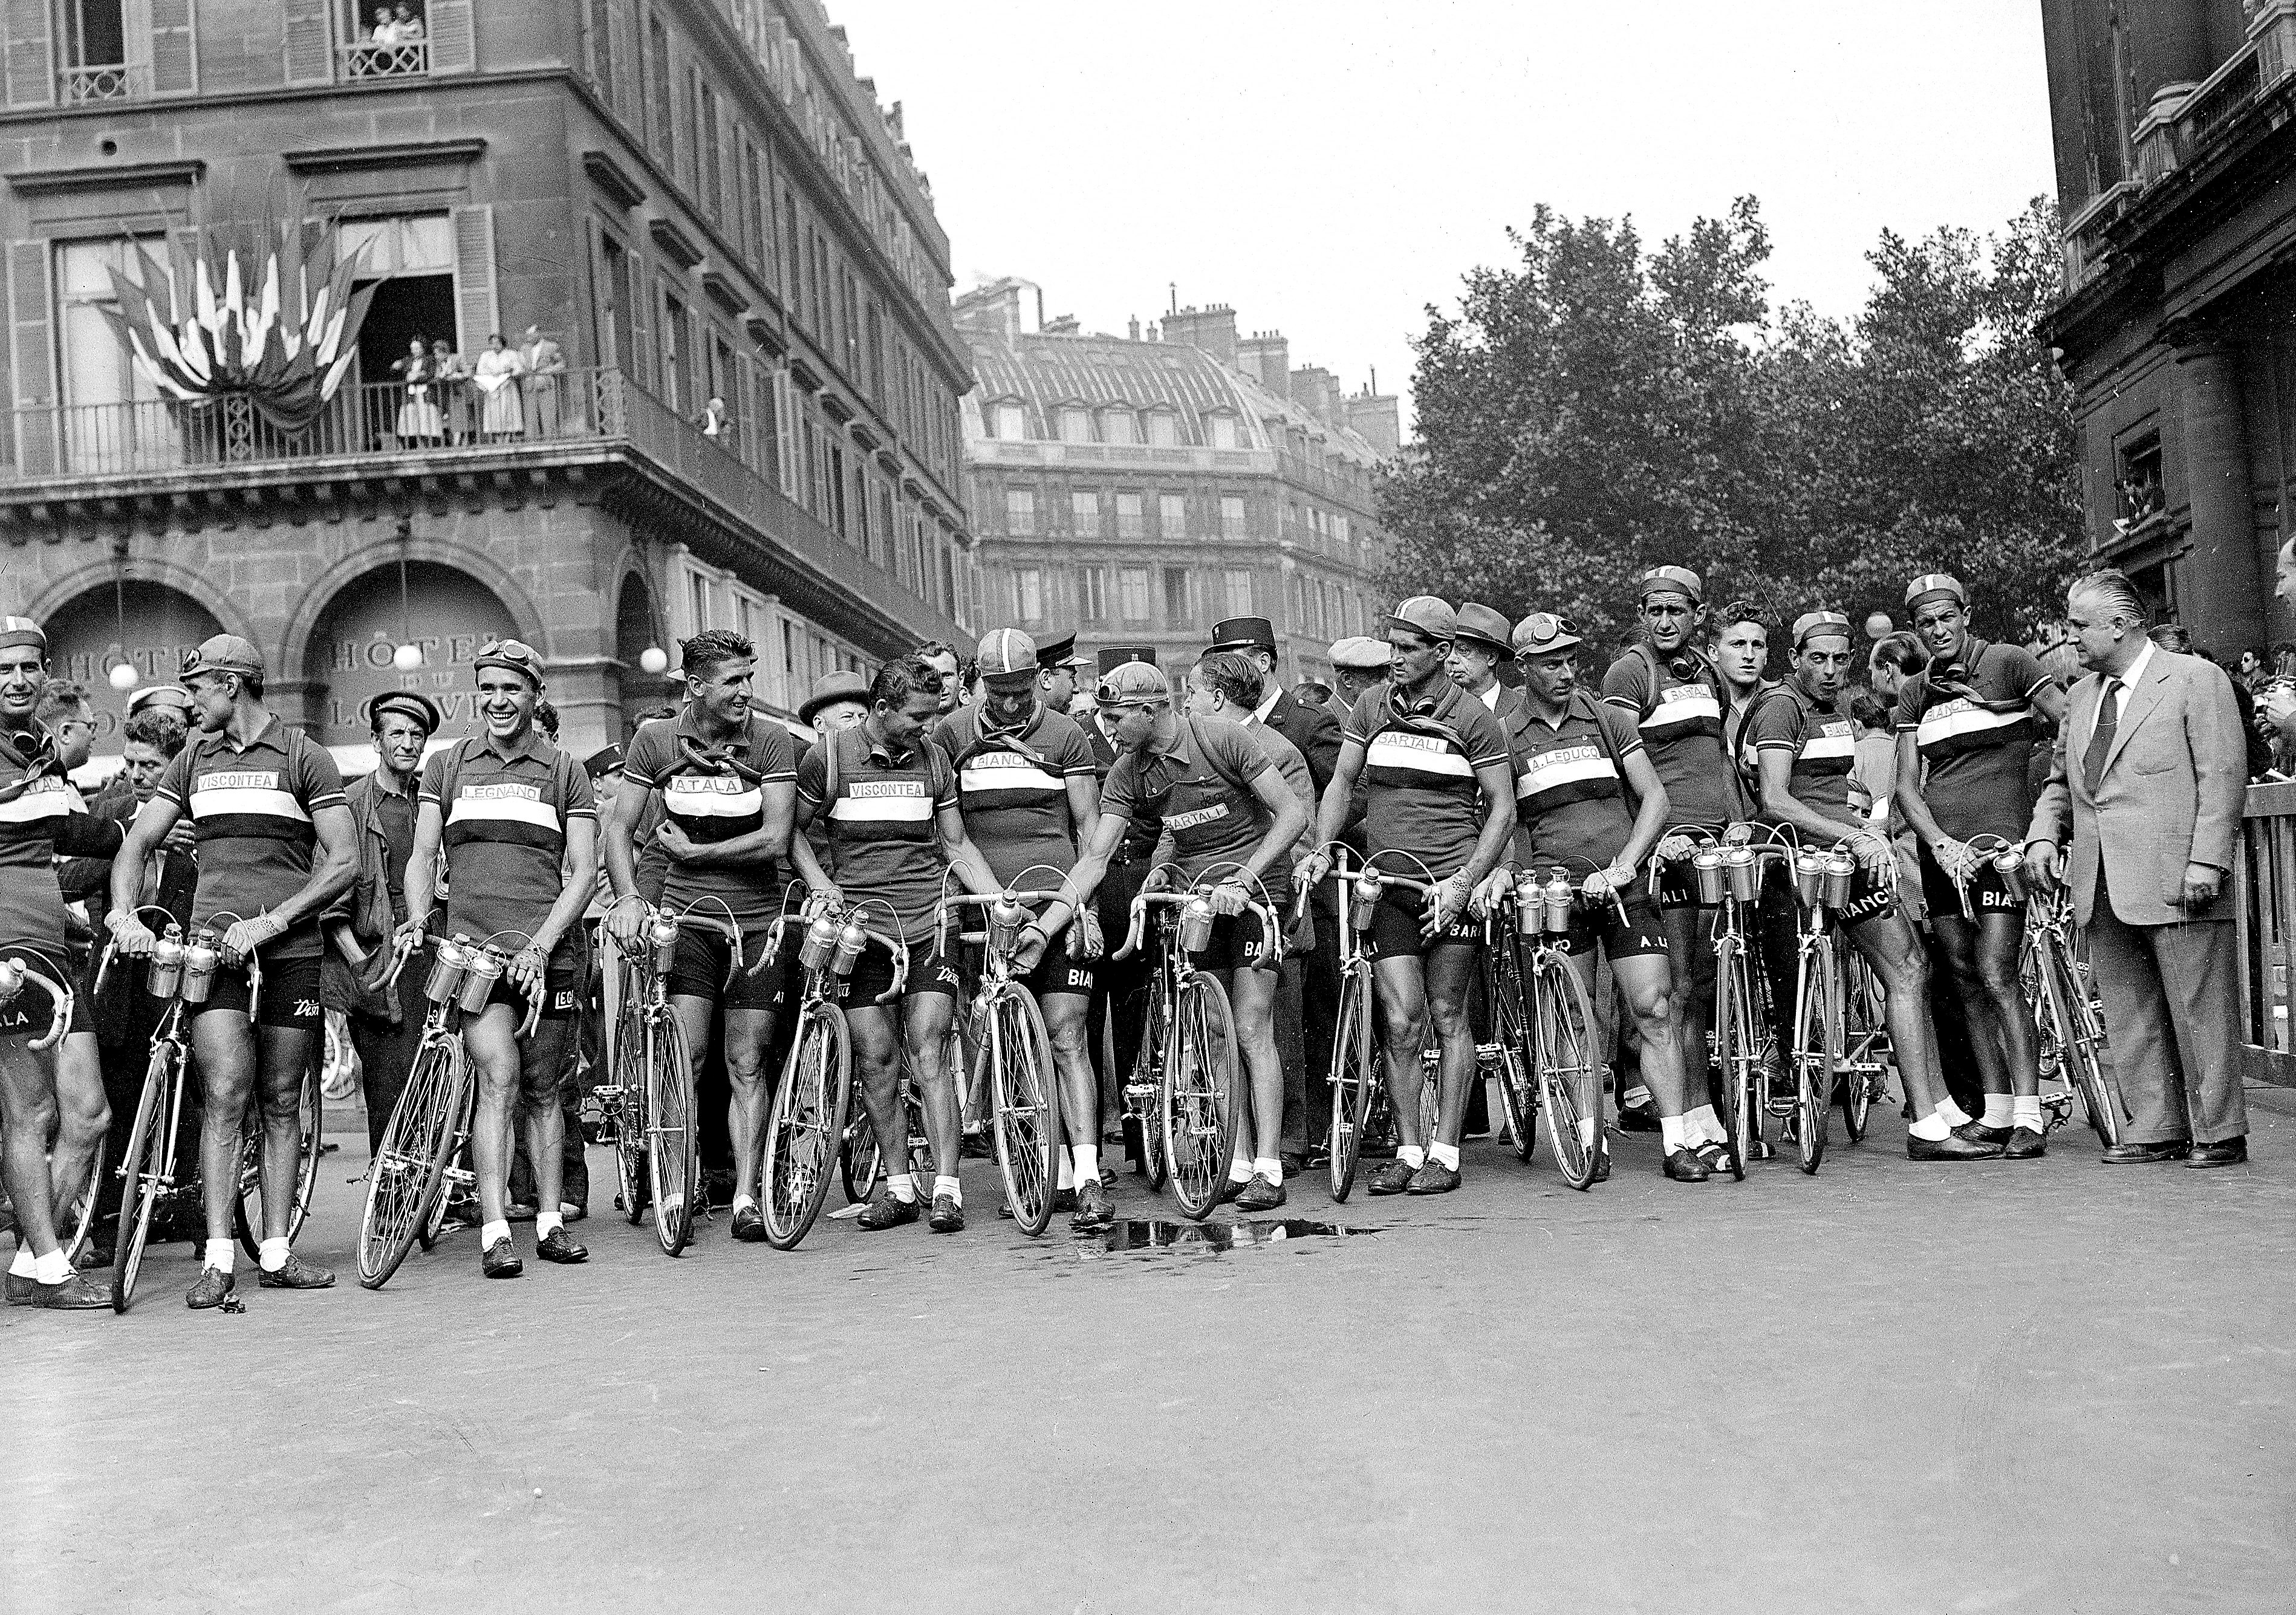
(1978, 762)
(252, 810)
(41, 817)
(714, 794)
(1420, 795)
(1823, 745)
(1571, 800)
(1677, 702)
(505, 832)
(884, 843)
(1199, 788)
(1012, 786)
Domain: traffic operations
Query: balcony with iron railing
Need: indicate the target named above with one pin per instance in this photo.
(102, 81)
(395, 59)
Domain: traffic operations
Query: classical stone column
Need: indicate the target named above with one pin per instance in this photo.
(2222, 588)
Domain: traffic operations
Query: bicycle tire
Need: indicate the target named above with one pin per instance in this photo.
(75, 1224)
(633, 1189)
(1198, 1098)
(1862, 1035)
(1737, 1050)
(1818, 1034)
(1352, 1072)
(1511, 1029)
(806, 1126)
(670, 1142)
(1025, 1093)
(150, 1155)
(409, 1164)
(2081, 1033)
(247, 1210)
(859, 1161)
(434, 1215)
(1569, 1075)
(1143, 1129)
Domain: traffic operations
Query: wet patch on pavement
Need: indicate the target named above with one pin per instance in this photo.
(1131, 1235)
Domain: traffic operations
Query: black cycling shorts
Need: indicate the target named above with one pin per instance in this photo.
(561, 988)
(1639, 934)
(30, 1014)
(1871, 898)
(291, 994)
(931, 971)
(1233, 938)
(1988, 893)
(1397, 922)
(704, 955)
(1058, 973)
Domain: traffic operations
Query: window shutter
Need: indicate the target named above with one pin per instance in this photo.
(31, 313)
(474, 276)
(175, 48)
(621, 24)
(31, 55)
(310, 44)
(454, 36)
(639, 365)
(745, 407)
(785, 432)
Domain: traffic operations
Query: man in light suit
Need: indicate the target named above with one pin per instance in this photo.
(2145, 793)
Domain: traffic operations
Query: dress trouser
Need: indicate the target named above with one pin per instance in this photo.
(1307, 1081)
(2171, 1014)
(387, 1053)
(1120, 998)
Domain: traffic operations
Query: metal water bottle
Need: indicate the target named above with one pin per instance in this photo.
(200, 960)
(1741, 873)
(1368, 886)
(12, 979)
(447, 965)
(820, 942)
(661, 936)
(1530, 904)
(2010, 864)
(1840, 873)
(1557, 905)
(1196, 919)
(165, 973)
(478, 984)
(850, 942)
(1005, 918)
(1810, 876)
(1706, 875)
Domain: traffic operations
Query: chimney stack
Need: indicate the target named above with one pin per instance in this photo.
(1211, 328)
(1267, 358)
(1378, 418)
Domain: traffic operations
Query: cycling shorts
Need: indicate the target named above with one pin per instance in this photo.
(1638, 935)
(931, 971)
(1058, 973)
(33, 1011)
(291, 994)
(1871, 898)
(1988, 893)
(1233, 938)
(704, 955)
(1397, 922)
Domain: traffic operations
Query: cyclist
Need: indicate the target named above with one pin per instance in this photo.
(1807, 751)
(1439, 785)
(1211, 791)
(1120, 992)
(277, 846)
(1967, 725)
(1676, 700)
(55, 1094)
(519, 821)
(1030, 797)
(723, 779)
(1587, 789)
(895, 830)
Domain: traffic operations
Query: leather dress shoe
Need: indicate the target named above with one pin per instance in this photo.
(21, 1289)
(750, 1225)
(2025, 1144)
(213, 1290)
(2225, 1152)
(1684, 1166)
(2146, 1154)
(1719, 1157)
(571, 1212)
(73, 1294)
(1953, 1146)
(947, 1215)
(884, 1211)
(1434, 1178)
(1393, 1178)
(500, 1260)
(1230, 1187)
(1638, 1118)
(1260, 1195)
(558, 1246)
(295, 1274)
(1295, 1166)
(1978, 1132)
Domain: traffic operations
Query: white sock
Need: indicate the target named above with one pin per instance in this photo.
(740, 1200)
(1932, 1126)
(2025, 1111)
(904, 1187)
(1239, 1170)
(1701, 1125)
(1411, 1155)
(221, 1254)
(24, 1264)
(52, 1268)
(1636, 1095)
(1587, 1132)
(543, 1222)
(271, 1255)
(945, 1184)
(1269, 1167)
(1086, 1161)
(1065, 1178)
(1955, 1116)
(1998, 1110)
(1671, 1134)
(492, 1231)
(1444, 1155)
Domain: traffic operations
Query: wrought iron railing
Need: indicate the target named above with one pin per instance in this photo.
(113, 81)
(395, 60)
(2264, 890)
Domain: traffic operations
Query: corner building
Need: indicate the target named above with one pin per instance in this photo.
(695, 201)
(2174, 124)
(1140, 491)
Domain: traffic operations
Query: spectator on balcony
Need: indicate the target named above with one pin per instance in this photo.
(419, 422)
(409, 25)
(714, 420)
(502, 413)
(386, 26)
(454, 399)
(546, 366)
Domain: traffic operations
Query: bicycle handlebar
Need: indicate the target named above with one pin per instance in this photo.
(1269, 948)
(15, 975)
(894, 947)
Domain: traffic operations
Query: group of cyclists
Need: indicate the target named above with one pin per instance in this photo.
(1465, 766)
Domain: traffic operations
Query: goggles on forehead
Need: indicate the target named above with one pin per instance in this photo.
(1107, 694)
(1541, 626)
(513, 649)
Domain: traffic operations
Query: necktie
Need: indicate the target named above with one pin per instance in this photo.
(2100, 740)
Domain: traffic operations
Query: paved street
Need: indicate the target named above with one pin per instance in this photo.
(1895, 1389)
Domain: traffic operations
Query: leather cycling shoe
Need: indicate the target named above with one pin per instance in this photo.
(1719, 1157)
(2225, 1152)
(1394, 1177)
(1094, 1209)
(1230, 1187)
(2025, 1144)
(21, 1290)
(500, 1260)
(883, 1211)
(1683, 1166)
(295, 1274)
(1260, 1195)
(558, 1246)
(213, 1290)
(2143, 1154)
(750, 1225)
(1953, 1146)
(1433, 1178)
(947, 1215)
(1978, 1132)
(74, 1294)
(1638, 1119)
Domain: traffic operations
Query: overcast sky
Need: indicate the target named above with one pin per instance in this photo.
(1330, 167)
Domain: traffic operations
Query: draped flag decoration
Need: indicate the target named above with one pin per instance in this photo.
(276, 324)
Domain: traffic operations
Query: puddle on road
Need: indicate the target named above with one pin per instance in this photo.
(1141, 1233)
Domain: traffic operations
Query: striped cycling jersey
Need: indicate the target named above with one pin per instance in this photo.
(884, 841)
(714, 792)
(1977, 778)
(252, 810)
(41, 815)
(1823, 746)
(1199, 788)
(1676, 704)
(1012, 786)
(1571, 800)
(1420, 795)
(504, 822)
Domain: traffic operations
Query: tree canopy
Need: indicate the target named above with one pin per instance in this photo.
(1596, 408)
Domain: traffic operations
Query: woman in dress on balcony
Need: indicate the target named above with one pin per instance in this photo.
(419, 422)
(456, 405)
(502, 415)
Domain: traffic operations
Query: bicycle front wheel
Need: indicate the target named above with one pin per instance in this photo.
(628, 1067)
(1199, 1093)
(408, 1166)
(1518, 1094)
(149, 1167)
(670, 1131)
(247, 1215)
(1863, 1037)
(1353, 1073)
(2080, 1034)
(859, 1161)
(76, 1222)
(1142, 1132)
(1737, 1050)
(805, 1131)
(1027, 1094)
(1818, 1041)
(1569, 1072)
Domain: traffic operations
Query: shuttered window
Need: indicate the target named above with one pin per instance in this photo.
(474, 274)
(175, 48)
(454, 37)
(32, 355)
(31, 55)
(310, 49)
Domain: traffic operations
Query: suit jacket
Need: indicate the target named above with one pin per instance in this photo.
(2171, 792)
(1314, 731)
